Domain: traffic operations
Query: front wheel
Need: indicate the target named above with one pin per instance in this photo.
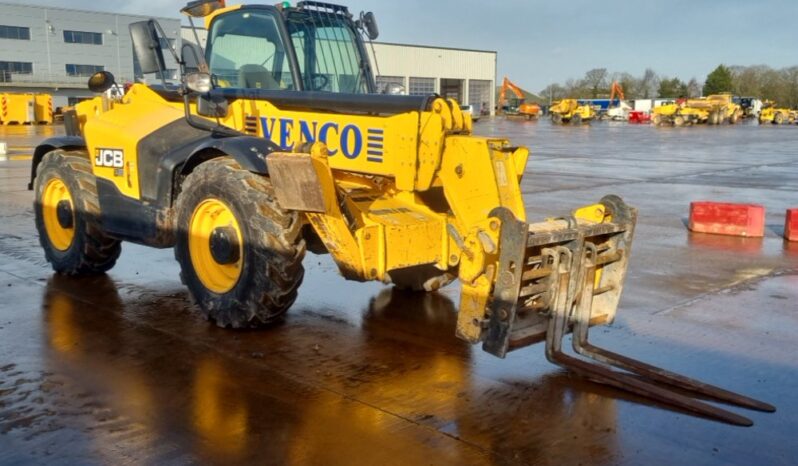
(240, 254)
(576, 119)
(67, 213)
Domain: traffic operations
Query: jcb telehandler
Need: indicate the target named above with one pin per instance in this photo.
(275, 142)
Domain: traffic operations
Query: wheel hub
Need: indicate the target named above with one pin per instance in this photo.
(63, 212)
(57, 214)
(224, 245)
(215, 245)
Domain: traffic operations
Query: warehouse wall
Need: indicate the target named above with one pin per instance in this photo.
(49, 52)
(475, 68)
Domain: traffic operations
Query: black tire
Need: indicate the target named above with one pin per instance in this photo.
(778, 118)
(556, 118)
(576, 119)
(91, 251)
(272, 246)
(678, 120)
(420, 278)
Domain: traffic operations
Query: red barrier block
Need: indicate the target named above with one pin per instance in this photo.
(791, 225)
(723, 218)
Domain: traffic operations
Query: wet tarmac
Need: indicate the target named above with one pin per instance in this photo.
(120, 369)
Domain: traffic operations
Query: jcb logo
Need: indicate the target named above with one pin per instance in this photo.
(114, 158)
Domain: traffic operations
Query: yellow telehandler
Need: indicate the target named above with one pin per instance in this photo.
(275, 142)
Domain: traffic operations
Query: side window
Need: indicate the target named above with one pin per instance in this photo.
(245, 51)
(327, 53)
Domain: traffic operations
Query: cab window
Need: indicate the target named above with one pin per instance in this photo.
(245, 51)
(327, 53)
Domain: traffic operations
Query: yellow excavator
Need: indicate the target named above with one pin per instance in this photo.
(518, 106)
(275, 142)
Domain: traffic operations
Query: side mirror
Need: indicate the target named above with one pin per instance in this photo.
(147, 46)
(368, 23)
(101, 81)
(214, 106)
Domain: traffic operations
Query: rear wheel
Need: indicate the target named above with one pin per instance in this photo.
(576, 119)
(678, 120)
(656, 119)
(556, 118)
(67, 214)
(778, 118)
(240, 254)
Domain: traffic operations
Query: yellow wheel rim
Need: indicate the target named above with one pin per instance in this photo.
(209, 215)
(54, 192)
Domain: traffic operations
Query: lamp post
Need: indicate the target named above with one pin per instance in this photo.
(48, 29)
(118, 55)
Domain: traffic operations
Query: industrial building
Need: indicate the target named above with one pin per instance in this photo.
(466, 75)
(55, 50)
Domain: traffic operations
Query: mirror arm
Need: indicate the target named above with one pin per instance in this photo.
(217, 129)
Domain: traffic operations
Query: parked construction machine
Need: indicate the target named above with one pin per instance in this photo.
(618, 109)
(569, 111)
(771, 113)
(274, 142)
(517, 106)
(713, 110)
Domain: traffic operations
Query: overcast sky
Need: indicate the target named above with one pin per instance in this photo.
(543, 41)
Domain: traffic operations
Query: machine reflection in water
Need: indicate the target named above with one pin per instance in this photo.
(404, 390)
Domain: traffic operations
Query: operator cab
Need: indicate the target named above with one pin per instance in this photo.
(312, 47)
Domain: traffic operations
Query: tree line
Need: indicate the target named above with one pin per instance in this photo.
(762, 81)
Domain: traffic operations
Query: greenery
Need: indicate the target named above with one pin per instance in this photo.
(759, 81)
(719, 80)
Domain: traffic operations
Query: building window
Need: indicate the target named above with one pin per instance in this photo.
(9, 68)
(422, 86)
(479, 93)
(16, 67)
(14, 32)
(383, 81)
(80, 37)
(83, 70)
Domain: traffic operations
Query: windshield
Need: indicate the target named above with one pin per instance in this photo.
(327, 52)
(245, 51)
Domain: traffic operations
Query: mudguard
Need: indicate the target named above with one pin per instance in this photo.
(249, 151)
(58, 142)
